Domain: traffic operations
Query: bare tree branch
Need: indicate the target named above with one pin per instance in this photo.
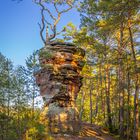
(45, 23)
(56, 8)
(49, 24)
(46, 9)
(41, 33)
(63, 30)
(66, 10)
(42, 28)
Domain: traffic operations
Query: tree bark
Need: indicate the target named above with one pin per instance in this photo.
(90, 94)
(136, 95)
(121, 83)
(107, 87)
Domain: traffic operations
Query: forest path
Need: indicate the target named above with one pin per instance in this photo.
(88, 132)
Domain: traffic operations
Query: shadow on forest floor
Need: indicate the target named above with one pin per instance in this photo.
(88, 132)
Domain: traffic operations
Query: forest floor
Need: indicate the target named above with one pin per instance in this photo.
(88, 132)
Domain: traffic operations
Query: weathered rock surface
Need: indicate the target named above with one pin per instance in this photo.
(59, 80)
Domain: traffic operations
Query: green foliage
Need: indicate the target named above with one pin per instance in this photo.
(15, 107)
(45, 54)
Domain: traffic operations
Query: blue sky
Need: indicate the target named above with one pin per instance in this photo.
(19, 31)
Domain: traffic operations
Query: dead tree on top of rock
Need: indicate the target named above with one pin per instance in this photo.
(46, 25)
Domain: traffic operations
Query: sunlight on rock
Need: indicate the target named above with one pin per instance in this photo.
(60, 81)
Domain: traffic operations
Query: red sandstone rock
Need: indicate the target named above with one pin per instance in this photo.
(60, 81)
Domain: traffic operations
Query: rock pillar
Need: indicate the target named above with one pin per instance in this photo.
(59, 81)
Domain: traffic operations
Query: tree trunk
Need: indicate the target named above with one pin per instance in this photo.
(121, 83)
(101, 90)
(128, 106)
(107, 87)
(136, 95)
(90, 94)
(82, 105)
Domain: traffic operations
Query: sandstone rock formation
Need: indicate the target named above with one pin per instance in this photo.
(59, 81)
